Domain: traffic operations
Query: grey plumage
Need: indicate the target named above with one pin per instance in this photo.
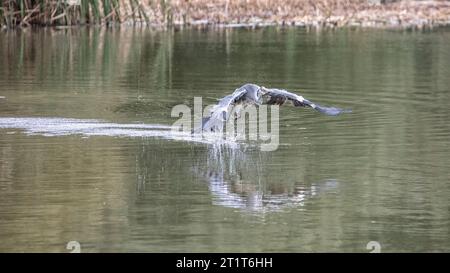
(253, 94)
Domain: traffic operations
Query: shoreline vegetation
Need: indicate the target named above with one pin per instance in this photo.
(227, 13)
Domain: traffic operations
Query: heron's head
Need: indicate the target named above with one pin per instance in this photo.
(253, 92)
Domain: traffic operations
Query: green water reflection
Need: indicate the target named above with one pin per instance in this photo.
(334, 184)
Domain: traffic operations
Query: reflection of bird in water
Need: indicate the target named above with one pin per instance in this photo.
(245, 195)
(236, 180)
(252, 94)
(240, 178)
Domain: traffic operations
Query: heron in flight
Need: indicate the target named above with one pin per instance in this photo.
(252, 94)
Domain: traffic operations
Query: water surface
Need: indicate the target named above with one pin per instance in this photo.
(84, 152)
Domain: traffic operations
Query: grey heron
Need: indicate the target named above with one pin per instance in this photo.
(252, 94)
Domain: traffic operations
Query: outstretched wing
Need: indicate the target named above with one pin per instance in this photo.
(280, 96)
(221, 111)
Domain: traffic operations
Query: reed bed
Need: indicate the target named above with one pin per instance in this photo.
(166, 13)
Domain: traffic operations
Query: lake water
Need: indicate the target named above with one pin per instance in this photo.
(85, 153)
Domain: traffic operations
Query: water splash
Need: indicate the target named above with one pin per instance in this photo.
(92, 127)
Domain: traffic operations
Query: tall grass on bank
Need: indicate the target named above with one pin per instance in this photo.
(58, 12)
(333, 13)
(158, 12)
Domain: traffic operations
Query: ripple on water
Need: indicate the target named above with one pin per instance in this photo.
(91, 127)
